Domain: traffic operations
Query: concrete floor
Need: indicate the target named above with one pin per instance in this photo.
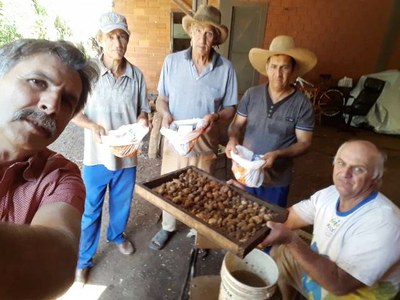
(148, 275)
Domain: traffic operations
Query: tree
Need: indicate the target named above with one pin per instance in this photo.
(8, 31)
(40, 11)
(62, 29)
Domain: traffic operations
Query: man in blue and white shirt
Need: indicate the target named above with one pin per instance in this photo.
(354, 252)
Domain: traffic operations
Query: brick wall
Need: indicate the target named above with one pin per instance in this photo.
(149, 22)
(347, 36)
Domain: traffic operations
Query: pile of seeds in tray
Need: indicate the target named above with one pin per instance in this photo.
(216, 204)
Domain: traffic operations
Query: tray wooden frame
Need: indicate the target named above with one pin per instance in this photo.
(210, 232)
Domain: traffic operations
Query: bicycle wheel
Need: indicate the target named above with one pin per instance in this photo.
(330, 103)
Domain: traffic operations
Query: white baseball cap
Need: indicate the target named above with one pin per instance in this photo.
(111, 21)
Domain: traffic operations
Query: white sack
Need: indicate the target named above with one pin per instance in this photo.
(247, 167)
(183, 134)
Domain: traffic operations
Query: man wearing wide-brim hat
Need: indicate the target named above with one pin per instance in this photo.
(196, 83)
(279, 120)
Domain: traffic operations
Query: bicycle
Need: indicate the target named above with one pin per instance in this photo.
(326, 102)
(331, 102)
(308, 89)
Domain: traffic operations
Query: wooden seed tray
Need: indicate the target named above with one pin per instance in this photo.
(213, 233)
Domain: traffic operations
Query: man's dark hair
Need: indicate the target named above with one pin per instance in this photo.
(13, 53)
(292, 60)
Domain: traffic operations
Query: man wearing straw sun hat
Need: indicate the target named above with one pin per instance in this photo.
(196, 83)
(278, 119)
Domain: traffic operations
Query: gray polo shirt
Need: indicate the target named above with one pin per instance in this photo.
(114, 103)
(191, 95)
(272, 126)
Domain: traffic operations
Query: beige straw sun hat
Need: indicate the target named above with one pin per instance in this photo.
(283, 44)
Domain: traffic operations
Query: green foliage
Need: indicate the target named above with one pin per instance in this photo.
(8, 31)
(40, 27)
(39, 9)
(93, 46)
(63, 30)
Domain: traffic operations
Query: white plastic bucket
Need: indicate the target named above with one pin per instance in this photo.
(253, 277)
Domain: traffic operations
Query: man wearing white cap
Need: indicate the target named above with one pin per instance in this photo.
(278, 119)
(119, 98)
(196, 83)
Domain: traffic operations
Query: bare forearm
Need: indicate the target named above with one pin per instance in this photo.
(223, 116)
(321, 269)
(235, 134)
(226, 114)
(97, 130)
(83, 121)
(36, 262)
(294, 150)
(162, 106)
(143, 116)
(234, 131)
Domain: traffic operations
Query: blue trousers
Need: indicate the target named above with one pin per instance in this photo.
(120, 185)
(275, 195)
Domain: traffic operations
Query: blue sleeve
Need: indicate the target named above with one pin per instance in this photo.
(162, 87)
(231, 95)
(143, 104)
(306, 118)
(243, 105)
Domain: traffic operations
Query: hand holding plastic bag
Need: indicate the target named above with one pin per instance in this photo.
(125, 141)
(247, 167)
(183, 134)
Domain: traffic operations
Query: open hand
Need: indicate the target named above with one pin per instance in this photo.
(231, 146)
(235, 183)
(269, 158)
(209, 120)
(167, 119)
(278, 235)
(98, 131)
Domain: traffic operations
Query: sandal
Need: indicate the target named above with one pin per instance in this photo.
(160, 239)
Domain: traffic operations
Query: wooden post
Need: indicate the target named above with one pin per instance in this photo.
(155, 136)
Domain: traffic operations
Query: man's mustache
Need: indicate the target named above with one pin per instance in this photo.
(38, 117)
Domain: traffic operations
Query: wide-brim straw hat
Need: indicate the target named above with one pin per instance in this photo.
(283, 44)
(207, 14)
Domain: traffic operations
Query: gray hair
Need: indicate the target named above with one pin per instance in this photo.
(76, 59)
(380, 158)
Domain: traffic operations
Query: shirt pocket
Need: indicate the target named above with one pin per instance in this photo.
(213, 96)
(282, 127)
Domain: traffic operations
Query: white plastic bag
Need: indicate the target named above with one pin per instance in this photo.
(247, 167)
(125, 141)
(183, 134)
